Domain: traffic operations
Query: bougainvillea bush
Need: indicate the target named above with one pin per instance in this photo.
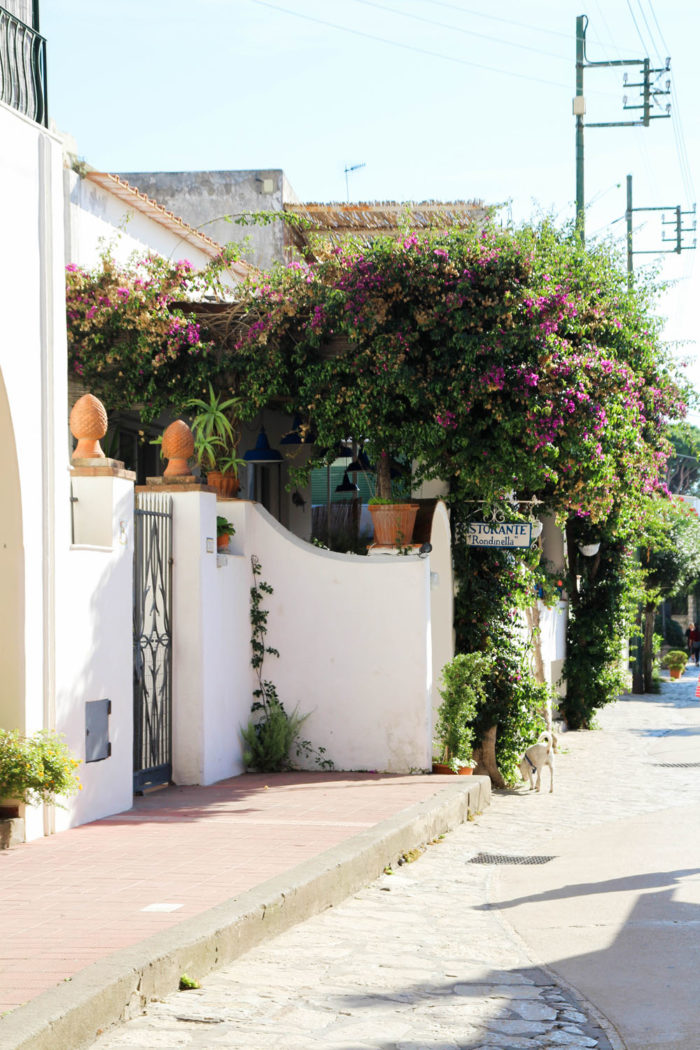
(129, 343)
(514, 364)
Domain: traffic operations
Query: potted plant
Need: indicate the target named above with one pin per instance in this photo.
(224, 531)
(34, 769)
(392, 519)
(216, 440)
(462, 691)
(675, 660)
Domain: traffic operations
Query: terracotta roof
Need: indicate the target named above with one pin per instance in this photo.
(133, 198)
(335, 218)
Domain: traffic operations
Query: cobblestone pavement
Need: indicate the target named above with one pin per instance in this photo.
(415, 961)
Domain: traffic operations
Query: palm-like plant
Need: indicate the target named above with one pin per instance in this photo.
(215, 434)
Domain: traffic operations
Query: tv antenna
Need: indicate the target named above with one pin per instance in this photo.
(351, 167)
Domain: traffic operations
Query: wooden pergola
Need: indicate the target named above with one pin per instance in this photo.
(334, 222)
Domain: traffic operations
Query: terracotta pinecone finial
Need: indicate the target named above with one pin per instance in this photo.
(88, 423)
(178, 446)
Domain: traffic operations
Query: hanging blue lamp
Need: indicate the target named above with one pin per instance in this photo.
(262, 453)
(346, 485)
(293, 436)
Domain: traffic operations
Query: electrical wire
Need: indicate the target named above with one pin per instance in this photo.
(636, 26)
(458, 29)
(659, 58)
(496, 18)
(409, 47)
(676, 116)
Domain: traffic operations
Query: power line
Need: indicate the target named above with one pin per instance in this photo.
(678, 135)
(636, 26)
(653, 12)
(408, 47)
(497, 18)
(651, 35)
(458, 29)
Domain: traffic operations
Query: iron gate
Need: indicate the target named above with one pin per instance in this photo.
(153, 517)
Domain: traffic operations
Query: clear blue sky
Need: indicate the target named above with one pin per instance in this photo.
(439, 99)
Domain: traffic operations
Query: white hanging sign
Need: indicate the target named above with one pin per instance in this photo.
(507, 534)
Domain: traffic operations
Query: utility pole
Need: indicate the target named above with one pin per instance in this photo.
(648, 92)
(676, 238)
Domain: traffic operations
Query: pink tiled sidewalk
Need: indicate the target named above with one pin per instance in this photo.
(72, 899)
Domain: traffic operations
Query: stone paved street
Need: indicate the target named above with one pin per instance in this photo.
(421, 960)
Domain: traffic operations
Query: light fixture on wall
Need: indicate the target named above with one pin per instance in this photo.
(536, 529)
(589, 550)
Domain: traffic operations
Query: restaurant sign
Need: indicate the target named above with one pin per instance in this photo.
(507, 534)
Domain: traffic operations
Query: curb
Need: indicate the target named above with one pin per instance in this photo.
(73, 1014)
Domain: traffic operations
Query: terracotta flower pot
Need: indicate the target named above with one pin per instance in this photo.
(675, 673)
(9, 808)
(222, 541)
(464, 771)
(227, 485)
(393, 523)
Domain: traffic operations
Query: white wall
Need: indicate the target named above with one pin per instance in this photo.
(553, 635)
(211, 651)
(94, 645)
(354, 640)
(33, 365)
(96, 219)
(354, 636)
(441, 599)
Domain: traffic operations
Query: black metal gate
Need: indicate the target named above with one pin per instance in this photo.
(153, 516)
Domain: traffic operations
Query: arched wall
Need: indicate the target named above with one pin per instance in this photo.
(441, 599)
(12, 603)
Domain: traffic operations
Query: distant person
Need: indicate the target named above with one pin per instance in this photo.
(693, 636)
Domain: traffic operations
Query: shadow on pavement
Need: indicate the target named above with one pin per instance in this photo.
(649, 881)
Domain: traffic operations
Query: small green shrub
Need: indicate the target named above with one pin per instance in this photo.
(462, 692)
(269, 739)
(675, 660)
(37, 768)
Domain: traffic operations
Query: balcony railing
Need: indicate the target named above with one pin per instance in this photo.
(22, 68)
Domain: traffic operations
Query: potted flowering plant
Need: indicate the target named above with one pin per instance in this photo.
(34, 769)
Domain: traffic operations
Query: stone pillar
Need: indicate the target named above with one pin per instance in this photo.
(210, 630)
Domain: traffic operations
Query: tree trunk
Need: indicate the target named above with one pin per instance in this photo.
(485, 757)
(649, 616)
(384, 477)
(571, 557)
(638, 672)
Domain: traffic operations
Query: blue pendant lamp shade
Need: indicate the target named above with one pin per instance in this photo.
(262, 453)
(346, 485)
(295, 435)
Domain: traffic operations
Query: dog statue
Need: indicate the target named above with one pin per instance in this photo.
(536, 758)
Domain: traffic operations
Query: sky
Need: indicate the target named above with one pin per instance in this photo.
(435, 99)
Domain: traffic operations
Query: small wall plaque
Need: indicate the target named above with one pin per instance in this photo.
(97, 745)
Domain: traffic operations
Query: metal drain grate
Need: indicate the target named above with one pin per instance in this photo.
(504, 858)
(678, 765)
